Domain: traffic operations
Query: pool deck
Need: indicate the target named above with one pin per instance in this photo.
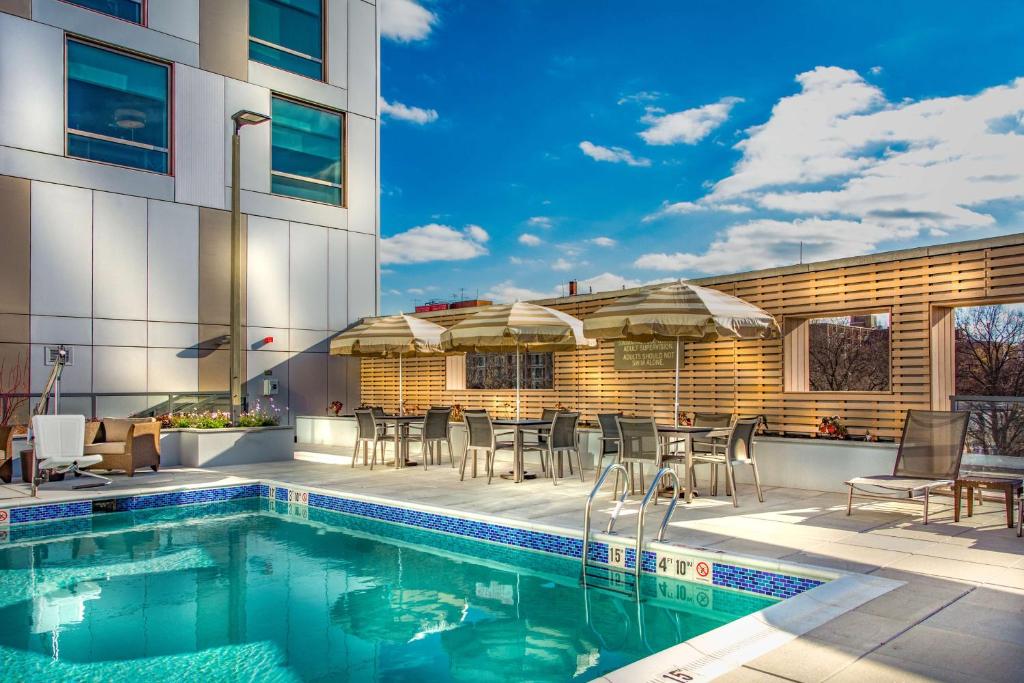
(959, 616)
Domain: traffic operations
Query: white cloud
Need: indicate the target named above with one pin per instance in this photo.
(562, 264)
(508, 291)
(875, 70)
(606, 282)
(689, 126)
(765, 243)
(613, 155)
(404, 112)
(682, 208)
(638, 97)
(405, 21)
(604, 241)
(540, 222)
(529, 240)
(433, 242)
(477, 233)
(845, 170)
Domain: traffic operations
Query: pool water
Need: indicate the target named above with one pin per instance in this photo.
(246, 590)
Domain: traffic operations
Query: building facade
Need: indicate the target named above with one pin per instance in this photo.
(115, 195)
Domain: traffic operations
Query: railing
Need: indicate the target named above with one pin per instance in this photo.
(154, 403)
(995, 434)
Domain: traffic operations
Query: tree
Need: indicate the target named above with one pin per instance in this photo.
(990, 362)
(847, 357)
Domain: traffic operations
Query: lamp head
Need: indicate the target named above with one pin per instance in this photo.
(248, 118)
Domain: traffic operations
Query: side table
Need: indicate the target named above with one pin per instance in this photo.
(1011, 488)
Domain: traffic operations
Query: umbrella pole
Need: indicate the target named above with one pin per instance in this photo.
(675, 410)
(517, 381)
(401, 393)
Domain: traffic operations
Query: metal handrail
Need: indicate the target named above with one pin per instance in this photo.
(652, 492)
(615, 466)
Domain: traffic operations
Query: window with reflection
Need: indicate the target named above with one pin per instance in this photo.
(306, 155)
(129, 10)
(498, 370)
(849, 353)
(288, 34)
(117, 108)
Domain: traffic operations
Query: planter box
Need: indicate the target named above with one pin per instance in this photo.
(323, 434)
(815, 464)
(232, 446)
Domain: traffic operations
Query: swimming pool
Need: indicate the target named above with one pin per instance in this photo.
(249, 590)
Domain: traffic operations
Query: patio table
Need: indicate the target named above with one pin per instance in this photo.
(401, 424)
(688, 432)
(517, 429)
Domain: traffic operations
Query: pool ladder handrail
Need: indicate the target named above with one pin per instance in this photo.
(617, 467)
(652, 492)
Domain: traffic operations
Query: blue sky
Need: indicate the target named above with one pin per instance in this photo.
(529, 142)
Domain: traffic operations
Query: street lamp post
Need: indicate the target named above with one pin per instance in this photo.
(240, 119)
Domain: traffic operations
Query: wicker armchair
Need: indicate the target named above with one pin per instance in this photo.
(7, 434)
(125, 443)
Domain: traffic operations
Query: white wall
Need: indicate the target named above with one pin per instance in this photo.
(115, 251)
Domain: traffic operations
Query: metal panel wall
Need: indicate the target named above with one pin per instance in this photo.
(199, 164)
(31, 86)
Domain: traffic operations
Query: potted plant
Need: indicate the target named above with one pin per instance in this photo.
(832, 427)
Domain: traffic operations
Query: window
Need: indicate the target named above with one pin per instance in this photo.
(306, 159)
(129, 10)
(288, 34)
(498, 370)
(838, 353)
(117, 108)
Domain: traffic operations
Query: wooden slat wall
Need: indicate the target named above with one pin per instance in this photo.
(747, 377)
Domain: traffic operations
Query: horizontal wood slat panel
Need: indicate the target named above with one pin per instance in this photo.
(746, 377)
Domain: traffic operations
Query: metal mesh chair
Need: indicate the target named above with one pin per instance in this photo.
(738, 449)
(481, 438)
(609, 440)
(433, 432)
(368, 435)
(563, 439)
(931, 448)
(639, 443)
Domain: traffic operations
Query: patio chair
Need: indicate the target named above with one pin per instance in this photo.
(433, 432)
(126, 443)
(738, 449)
(369, 435)
(481, 438)
(59, 443)
(609, 441)
(929, 457)
(640, 444)
(563, 439)
(7, 434)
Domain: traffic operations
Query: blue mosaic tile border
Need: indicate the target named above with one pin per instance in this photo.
(157, 500)
(723, 575)
(43, 513)
(760, 581)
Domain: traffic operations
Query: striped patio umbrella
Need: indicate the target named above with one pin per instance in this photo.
(680, 312)
(393, 336)
(512, 327)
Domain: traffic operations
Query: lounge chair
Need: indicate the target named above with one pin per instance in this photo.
(929, 458)
(59, 443)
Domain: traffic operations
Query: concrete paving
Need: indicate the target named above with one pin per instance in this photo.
(959, 616)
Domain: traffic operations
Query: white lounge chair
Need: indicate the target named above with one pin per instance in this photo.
(59, 443)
